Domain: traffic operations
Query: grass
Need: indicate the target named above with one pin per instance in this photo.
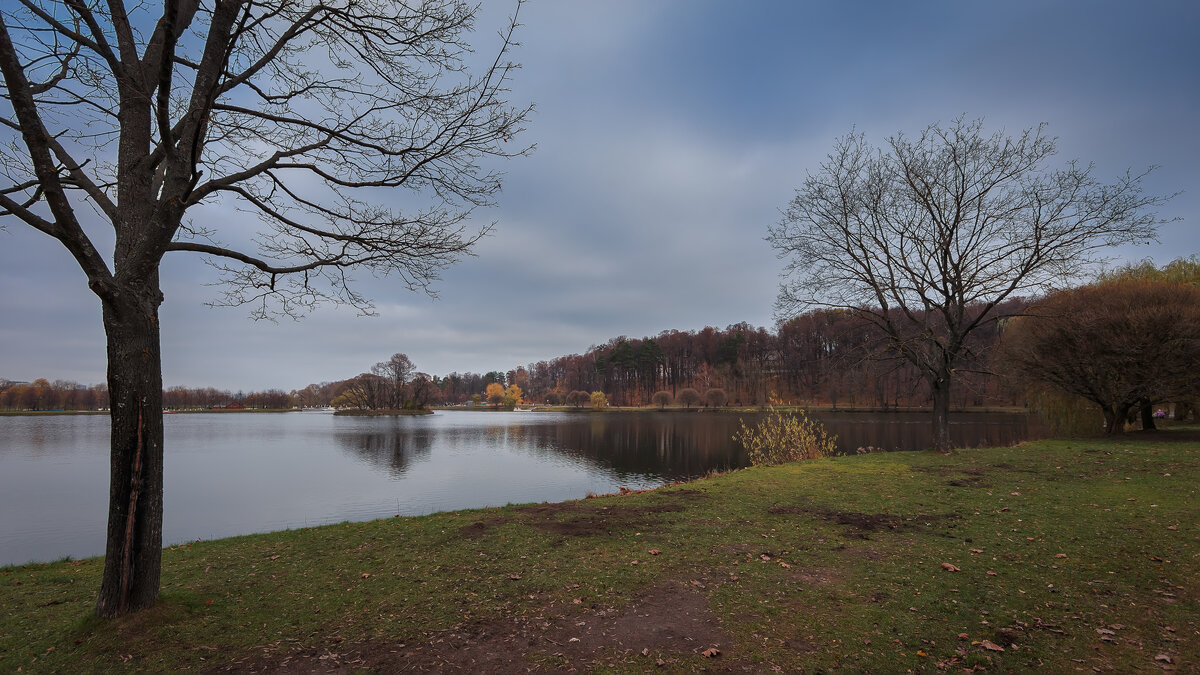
(1069, 555)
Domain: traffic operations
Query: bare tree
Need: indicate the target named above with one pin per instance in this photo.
(926, 237)
(715, 397)
(662, 399)
(352, 129)
(688, 397)
(397, 371)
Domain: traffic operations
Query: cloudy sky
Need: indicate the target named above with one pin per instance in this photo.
(670, 134)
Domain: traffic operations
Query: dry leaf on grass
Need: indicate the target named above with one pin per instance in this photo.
(950, 568)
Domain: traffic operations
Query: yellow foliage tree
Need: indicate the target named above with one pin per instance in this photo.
(512, 396)
(494, 393)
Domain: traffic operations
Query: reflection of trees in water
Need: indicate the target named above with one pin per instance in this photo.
(911, 431)
(392, 449)
(673, 446)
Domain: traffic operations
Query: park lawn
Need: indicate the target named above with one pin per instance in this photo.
(1062, 555)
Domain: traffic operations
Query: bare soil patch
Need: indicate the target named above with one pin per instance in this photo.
(659, 627)
(861, 524)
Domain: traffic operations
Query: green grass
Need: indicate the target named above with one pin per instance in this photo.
(1071, 555)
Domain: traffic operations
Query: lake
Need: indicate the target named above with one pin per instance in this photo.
(229, 474)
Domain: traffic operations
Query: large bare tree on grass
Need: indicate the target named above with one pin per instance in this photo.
(926, 236)
(307, 114)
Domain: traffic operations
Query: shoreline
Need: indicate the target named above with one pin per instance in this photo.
(890, 574)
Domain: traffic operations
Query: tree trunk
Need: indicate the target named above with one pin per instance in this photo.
(1147, 412)
(133, 554)
(1114, 418)
(940, 388)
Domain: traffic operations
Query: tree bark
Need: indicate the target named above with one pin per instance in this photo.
(940, 387)
(132, 559)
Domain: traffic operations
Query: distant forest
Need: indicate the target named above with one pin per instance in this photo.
(821, 357)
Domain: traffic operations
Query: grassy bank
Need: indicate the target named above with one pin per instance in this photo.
(1060, 555)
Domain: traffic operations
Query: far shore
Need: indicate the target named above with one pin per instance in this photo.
(734, 409)
(358, 412)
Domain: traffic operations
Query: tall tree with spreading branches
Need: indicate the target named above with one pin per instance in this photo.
(357, 131)
(927, 236)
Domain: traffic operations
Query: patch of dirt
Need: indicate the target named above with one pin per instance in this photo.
(664, 623)
(481, 527)
(861, 524)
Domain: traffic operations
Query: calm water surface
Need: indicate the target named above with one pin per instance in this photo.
(234, 474)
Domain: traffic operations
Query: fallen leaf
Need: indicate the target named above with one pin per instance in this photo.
(949, 568)
(921, 653)
(1105, 631)
(1164, 658)
(765, 557)
(711, 652)
(1172, 527)
(963, 636)
(659, 662)
(1060, 555)
(783, 564)
(976, 550)
(366, 575)
(654, 551)
(514, 577)
(991, 573)
(646, 651)
(991, 646)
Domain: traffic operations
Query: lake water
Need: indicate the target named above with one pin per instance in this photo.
(229, 474)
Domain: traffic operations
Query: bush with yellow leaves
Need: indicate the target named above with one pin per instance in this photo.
(785, 437)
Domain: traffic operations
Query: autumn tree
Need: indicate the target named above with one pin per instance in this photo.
(1120, 345)
(925, 237)
(599, 400)
(422, 391)
(512, 396)
(1180, 270)
(494, 393)
(662, 399)
(578, 398)
(689, 397)
(313, 116)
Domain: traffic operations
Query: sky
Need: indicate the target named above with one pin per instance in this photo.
(669, 135)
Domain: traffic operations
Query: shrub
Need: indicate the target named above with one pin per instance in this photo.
(785, 437)
(716, 398)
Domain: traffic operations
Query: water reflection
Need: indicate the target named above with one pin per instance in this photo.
(392, 450)
(237, 474)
